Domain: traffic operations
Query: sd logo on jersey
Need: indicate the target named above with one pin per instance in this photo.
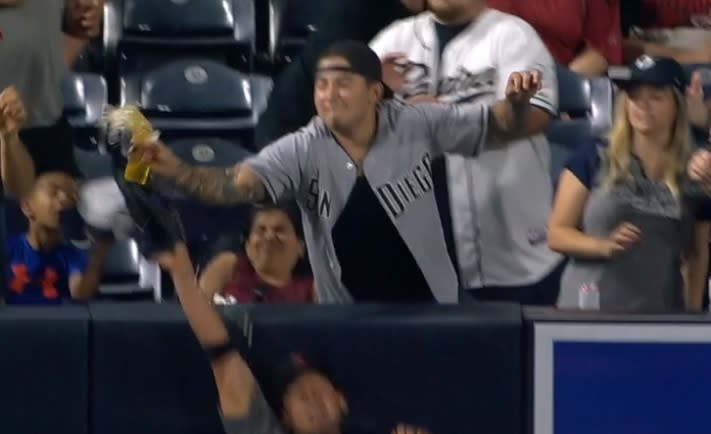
(319, 200)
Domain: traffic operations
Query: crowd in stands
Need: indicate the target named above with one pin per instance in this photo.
(624, 215)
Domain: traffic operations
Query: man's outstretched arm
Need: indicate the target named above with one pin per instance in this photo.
(471, 128)
(222, 186)
(274, 172)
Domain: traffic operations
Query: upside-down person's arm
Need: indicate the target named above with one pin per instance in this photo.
(235, 381)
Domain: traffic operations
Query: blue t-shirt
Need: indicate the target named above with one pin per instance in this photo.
(41, 277)
(585, 163)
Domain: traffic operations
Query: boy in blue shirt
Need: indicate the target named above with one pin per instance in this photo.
(41, 267)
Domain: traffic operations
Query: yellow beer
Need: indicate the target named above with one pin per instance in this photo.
(131, 119)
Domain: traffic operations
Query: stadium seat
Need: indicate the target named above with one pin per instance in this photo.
(209, 151)
(204, 223)
(140, 35)
(291, 22)
(193, 95)
(127, 275)
(588, 103)
(85, 100)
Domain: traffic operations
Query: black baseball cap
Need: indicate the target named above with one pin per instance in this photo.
(361, 58)
(654, 71)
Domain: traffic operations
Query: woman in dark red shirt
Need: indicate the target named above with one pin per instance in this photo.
(272, 268)
(585, 35)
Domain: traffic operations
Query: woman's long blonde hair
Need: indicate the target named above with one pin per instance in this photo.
(619, 150)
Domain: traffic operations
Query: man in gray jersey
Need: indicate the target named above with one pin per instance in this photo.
(361, 174)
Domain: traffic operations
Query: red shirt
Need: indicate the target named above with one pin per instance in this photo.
(567, 27)
(247, 287)
(673, 13)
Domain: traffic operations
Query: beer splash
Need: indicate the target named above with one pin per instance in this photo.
(126, 126)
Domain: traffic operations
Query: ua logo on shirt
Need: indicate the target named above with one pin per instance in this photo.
(47, 282)
(21, 278)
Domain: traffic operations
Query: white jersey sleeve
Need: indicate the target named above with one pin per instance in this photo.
(392, 38)
(455, 128)
(281, 166)
(518, 47)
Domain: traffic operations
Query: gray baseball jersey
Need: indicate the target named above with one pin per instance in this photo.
(310, 166)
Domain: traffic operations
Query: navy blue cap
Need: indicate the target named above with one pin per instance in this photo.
(654, 71)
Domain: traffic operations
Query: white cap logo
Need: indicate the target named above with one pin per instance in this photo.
(644, 62)
(196, 75)
(203, 153)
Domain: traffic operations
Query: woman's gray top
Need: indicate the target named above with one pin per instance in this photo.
(647, 277)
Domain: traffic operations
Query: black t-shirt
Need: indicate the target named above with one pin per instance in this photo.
(376, 264)
(447, 32)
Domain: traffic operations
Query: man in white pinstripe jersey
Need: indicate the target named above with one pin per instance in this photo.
(459, 51)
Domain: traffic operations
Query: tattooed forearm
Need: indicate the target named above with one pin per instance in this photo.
(219, 185)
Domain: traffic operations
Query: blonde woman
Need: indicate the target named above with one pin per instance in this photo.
(619, 211)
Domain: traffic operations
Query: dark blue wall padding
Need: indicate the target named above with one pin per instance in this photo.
(149, 374)
(44, 364)
(453, 369)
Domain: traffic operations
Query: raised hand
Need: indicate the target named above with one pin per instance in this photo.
(699, 169)
(394, 69)
(696, 106)
(12, 112)
(622, 238)
(162, 161)
(522, 85)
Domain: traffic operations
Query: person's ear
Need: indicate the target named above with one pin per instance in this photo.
(342, 403)
(380, 91)
(26, 208)
(376, 92)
